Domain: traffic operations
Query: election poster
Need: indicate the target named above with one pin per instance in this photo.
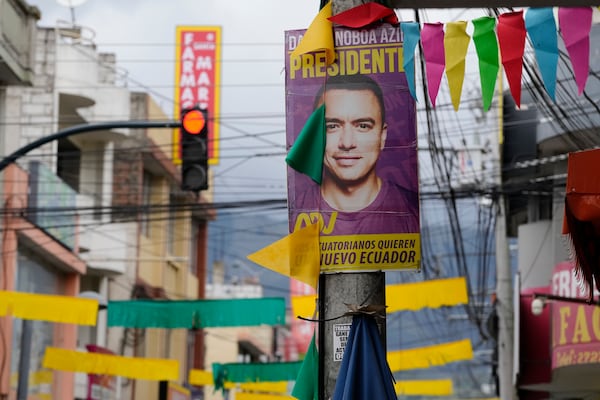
(367, 201)
(197, 81)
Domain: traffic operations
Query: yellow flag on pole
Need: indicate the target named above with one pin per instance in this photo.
(296, 255)
(318, 36)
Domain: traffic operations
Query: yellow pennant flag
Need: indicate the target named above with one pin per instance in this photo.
(456, 43)
(431, 294)
(434, 387)
(318, 36)
(296, 255)
(430, 356)
(105, 364)
(51, 308)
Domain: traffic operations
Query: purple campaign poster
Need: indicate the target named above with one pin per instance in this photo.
(367, 204)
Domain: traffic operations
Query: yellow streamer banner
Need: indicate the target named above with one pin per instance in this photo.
(436, 387)
(261, 396)
(304, 306)
(51, 308)
(198, 377)
(404, 296)
(153, 369)
(432, 294)
(430, 356)
(265, 387)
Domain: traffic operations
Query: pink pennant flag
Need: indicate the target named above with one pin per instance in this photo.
(511, 39)
(575, 25)
(432, 39)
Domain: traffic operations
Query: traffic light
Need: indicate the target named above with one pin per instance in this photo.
(194, 149)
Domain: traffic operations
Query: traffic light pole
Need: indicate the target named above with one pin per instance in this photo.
(83, 128)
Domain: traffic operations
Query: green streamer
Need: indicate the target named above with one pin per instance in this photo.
(254, 372)
(193, 314)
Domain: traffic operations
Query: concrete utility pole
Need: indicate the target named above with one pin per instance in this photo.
(365, 288)
(369, 288)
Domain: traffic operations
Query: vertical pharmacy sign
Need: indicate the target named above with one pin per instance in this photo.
(197, 80)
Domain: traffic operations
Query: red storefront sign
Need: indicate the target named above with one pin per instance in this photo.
(197, 80)
(575, 327)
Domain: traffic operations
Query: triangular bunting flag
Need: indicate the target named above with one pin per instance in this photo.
(511, 38)
(575, 24)
(307, 382)
(296, 255)
(486, 45)
(456, 44)
(318, 36)
(306, 154)
(542, 32)
(411, 34)
(365, 14)
(432, 39)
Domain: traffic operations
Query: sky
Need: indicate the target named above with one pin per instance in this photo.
(142, 34)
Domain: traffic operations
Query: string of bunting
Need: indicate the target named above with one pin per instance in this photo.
(497, 42)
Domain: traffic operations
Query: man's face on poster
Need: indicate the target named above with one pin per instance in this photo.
(355, 134)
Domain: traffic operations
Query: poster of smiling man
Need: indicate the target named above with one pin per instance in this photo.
(366, 199)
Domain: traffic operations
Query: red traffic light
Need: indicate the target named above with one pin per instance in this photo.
(193, 121)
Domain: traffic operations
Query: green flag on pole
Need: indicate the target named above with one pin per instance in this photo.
(306, 154)
(307, 382)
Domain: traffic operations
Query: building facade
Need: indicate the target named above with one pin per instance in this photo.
(97, 214)
(557, 345)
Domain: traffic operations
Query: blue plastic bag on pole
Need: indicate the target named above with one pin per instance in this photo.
(364, 373)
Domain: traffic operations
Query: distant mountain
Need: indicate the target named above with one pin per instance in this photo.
(236, 233)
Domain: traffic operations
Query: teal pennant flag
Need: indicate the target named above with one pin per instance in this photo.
(307, 382)
(254, 372)
(541, 28)
(306, 154)
(412, 35)
(191, 314)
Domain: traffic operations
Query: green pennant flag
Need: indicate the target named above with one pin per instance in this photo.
(306, 154)
(486, 45)
(307, 382)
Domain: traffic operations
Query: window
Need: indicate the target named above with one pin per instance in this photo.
(68, 163)
(146, 203)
